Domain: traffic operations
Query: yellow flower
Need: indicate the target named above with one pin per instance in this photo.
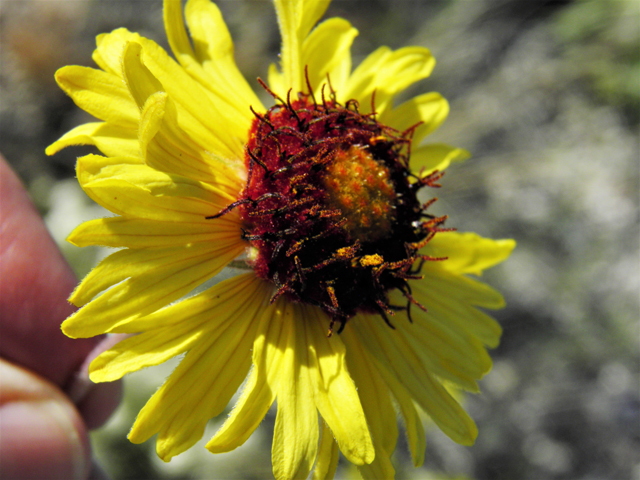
(315, 197)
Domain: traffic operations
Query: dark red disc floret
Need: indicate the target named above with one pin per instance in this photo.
(331, 209)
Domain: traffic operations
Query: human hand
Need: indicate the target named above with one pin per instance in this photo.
(47, 403)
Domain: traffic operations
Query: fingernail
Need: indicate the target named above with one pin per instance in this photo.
(40, 441)
(81, 386)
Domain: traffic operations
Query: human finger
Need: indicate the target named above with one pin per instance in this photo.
(36, 282)
(43, 436)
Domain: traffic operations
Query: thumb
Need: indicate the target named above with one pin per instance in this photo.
(42, 434)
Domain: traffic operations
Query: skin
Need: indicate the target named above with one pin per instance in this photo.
(47, 403)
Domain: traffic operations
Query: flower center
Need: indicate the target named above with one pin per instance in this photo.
(330, 208)
(359, 187)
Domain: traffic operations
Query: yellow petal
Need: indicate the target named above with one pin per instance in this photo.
(151, 264)
(364, 77)
(445, 348)
(381, 417)
(450, 307)
(89, 167)
(211, 372)
(287, 12)
(143, 350)
(166, 147)
(387, 73)
(214, 51)
(103, 95)
(176, 33)
(413, 424)
(159, 183)
(205, 120)
(374, 396)
(254, 403)
(143, 233)
(449, 353)
(173, 330)
(423, 386)
(112, 140)
(455, 287)
(276, 81)
(112, 270)
(201, 305)
(429, 108)
(380, 469)
(327, 53)
(295, 435)
(468, 252)
(296, 19)
(437, 156)
(328, 455)
(140, 81)
(260, 390)
(148, 69)
(458, 372)
(123, 198)
(110, 47)
(308, 14)
(137, 190)
(156, 278)
(335, 392)
(184, 423)
(416, 438)
(212, 63)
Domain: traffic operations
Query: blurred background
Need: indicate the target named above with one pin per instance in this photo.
(546, 95)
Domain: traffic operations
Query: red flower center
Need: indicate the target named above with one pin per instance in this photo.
(330, 208)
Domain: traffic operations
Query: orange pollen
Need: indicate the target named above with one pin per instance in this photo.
(359, 186)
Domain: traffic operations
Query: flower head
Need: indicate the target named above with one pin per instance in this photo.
(355, 296)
